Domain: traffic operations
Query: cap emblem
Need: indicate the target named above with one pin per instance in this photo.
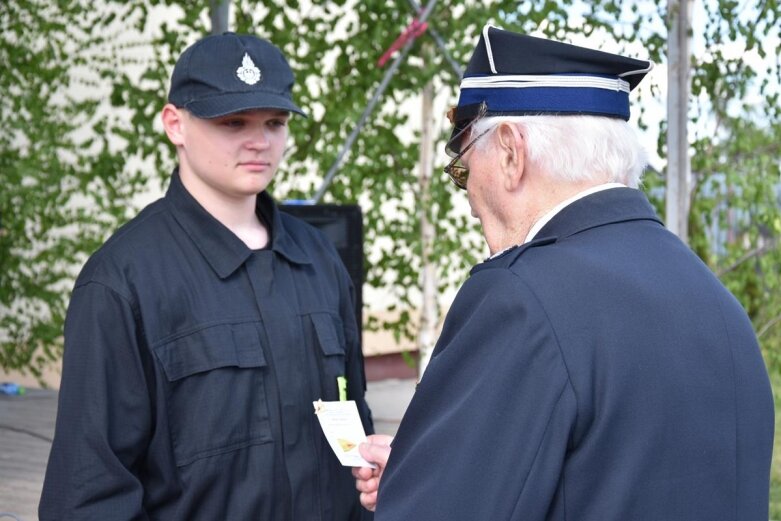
(248, 73)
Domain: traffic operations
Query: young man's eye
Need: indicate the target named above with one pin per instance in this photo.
(231, 122)
(277, 122)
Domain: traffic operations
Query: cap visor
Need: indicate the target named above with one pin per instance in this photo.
(225, 104)
(453, 144)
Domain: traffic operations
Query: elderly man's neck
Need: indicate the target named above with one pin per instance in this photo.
(528, 206)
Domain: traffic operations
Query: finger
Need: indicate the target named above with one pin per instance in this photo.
(380, 439)
(368, 485)
(369, 501)
(361, 472)
(375, 453)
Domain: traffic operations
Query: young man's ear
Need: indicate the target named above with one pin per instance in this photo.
(512, 154)
(173, 123)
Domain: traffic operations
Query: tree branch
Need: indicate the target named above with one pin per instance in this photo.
(756, 252)
(764, 329)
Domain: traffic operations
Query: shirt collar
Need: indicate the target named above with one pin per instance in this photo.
(220, 247)
(282, 241)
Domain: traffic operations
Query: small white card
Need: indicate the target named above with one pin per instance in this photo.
(343, 429)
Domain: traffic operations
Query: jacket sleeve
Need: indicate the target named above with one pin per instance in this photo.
(104, 414)
(487, 431)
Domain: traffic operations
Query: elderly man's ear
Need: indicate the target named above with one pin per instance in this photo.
(512, 155)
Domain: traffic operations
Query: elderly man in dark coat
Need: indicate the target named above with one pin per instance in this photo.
(593, 368)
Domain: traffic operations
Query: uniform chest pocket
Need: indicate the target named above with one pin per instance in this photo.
(332, 353)
(215, 391)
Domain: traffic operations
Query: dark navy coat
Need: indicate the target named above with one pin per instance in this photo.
(190, 367)
(600, 372)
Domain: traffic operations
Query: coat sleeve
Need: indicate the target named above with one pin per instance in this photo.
(487, 431)
(104, 414)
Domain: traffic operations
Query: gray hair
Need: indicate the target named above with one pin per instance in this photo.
(577, 148)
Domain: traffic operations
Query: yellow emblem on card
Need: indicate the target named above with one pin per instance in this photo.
(346, 445)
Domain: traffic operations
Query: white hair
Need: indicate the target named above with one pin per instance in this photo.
(577, 148)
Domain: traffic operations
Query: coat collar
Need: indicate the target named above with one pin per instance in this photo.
(606, 207)
(598, 209)
(220, 247)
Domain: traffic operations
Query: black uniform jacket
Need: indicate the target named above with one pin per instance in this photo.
(190, 367)
(598, 373)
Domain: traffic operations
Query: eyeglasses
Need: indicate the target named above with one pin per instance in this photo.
(459, 173)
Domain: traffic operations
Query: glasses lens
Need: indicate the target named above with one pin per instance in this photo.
(458, 173)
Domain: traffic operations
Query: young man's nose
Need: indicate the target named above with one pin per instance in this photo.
(258, 139)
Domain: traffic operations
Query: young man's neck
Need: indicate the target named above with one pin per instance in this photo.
(235, 213)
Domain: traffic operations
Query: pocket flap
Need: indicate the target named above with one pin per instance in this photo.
(326, 334)
(223, 345)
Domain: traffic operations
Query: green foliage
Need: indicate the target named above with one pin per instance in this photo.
(80, 137)
(63, 187)
(736, 162)
(735, 216)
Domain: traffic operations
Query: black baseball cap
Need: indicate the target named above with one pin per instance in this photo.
(228, 73)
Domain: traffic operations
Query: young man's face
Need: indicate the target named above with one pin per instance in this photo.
(232, 156)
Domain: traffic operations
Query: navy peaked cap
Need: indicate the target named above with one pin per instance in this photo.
(228, 73)
(516, 74)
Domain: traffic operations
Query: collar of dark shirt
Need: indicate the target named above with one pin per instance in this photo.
(222, 249)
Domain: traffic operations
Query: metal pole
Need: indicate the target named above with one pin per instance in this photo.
(678, 164)
(219, 12)
(369, 108)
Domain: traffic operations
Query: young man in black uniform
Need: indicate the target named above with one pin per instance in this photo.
(198, 336)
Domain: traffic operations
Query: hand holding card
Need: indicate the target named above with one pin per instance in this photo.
(343, 429)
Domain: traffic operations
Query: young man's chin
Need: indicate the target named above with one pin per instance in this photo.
(253, 186)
